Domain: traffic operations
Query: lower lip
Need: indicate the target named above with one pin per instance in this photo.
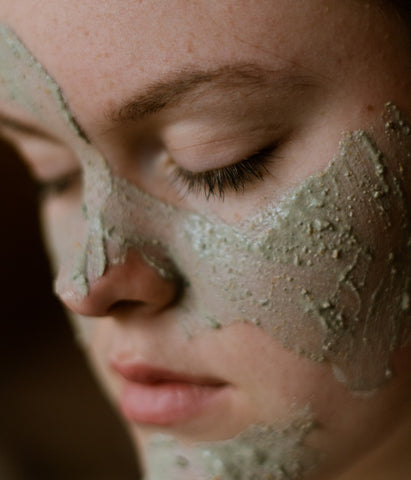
(166, 403)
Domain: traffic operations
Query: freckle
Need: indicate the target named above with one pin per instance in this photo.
(190, 48)
(370, 108)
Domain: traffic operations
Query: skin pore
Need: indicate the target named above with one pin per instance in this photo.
(359, 170)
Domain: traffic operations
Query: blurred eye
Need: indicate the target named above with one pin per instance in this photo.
(60, 186)
(55, 169)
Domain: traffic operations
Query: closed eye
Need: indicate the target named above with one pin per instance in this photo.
(234, 178)
(60, 185)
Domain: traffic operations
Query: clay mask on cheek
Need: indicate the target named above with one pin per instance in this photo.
(325, 271)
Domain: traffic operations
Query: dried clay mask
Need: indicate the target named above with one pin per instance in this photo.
(260, 453)
(325, 271)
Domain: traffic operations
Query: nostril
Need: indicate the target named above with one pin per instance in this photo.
(124, 288)
(123, 307)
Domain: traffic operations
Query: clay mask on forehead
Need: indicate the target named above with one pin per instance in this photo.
(325, 271)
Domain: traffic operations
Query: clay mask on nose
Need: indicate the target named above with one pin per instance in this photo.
(325, 271)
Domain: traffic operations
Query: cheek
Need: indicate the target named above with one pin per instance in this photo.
(326, 270)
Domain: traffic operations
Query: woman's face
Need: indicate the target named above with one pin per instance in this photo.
(211, 116)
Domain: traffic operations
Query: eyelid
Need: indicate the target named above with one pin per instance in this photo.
(234, 177)
(17, 129)
(46, 159)
(58, 186)
(54, 168)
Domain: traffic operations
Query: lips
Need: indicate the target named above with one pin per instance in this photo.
(162, 397)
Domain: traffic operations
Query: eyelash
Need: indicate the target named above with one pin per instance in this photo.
(58, 186)
(235, 177)
(213, 183)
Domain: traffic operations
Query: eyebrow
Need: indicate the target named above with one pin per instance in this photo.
(181, 85)
(184, 83)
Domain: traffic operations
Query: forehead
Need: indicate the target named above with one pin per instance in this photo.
(100, 52)
(148, 38)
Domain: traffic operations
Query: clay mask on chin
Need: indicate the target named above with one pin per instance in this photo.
(325, 271)
(261, 453)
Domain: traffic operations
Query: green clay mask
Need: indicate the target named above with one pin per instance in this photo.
(260, 453)
(325, 271)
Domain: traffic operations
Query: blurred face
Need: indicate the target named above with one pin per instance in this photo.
(227, 210)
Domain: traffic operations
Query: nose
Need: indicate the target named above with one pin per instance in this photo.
(134, 283)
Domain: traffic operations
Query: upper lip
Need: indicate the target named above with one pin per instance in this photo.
(146, 374)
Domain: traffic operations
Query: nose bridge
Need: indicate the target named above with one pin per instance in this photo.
(118, 217)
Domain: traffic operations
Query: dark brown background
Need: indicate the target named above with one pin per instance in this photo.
(54, 422)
